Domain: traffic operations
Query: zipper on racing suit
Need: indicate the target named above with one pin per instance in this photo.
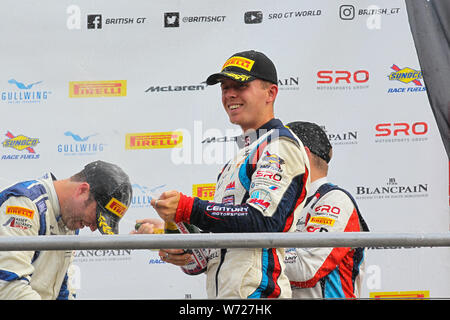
(222, 258)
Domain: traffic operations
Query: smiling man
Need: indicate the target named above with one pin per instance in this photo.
(97, 197)
(261, 190)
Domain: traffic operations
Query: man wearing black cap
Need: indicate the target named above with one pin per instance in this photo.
(96, 197)
(324, 272)
(262, 189)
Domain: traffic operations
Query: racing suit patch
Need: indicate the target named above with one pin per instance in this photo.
(17, 222)
(20, 211)
(322, 220)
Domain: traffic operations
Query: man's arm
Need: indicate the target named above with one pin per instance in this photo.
(18, 217)
(334, 212)
(275, 196)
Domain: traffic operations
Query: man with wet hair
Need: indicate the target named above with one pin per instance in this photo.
(324, 272)
(97, 197)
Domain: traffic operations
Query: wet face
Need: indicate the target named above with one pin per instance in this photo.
(80, 211)
(250, 104)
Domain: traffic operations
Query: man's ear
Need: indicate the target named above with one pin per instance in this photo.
(308, 152)
(272, 93)
(83, 189)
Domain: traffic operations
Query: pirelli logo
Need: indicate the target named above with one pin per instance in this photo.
(95, 89)
(20, 211)
(424, 294)
(116, 207)
(322, 220)
(154, 140)
(204, 191)
(239, 62)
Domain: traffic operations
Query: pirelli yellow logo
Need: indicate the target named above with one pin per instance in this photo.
(322, 220)
(401, 295)
(116, 207)
(20, 211)
(95, 89)
(204, 191)
(154, 140)
(239, 62)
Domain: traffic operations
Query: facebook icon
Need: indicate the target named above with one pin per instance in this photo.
(94, 21)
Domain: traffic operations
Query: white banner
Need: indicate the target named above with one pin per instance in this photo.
(82, 81)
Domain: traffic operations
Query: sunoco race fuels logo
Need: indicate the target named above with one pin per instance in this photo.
(406, 76)
(20, 143)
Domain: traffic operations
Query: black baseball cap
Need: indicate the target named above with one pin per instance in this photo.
(111, 188)
(312, 137)
(246, 66)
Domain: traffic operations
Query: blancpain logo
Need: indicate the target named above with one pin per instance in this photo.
(392, 190)
(342, 137)
(102, 255)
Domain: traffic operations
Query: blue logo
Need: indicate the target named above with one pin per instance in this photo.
(77, 138)
(80, 145)
(142, 195)
(22, 86)
(24, 93)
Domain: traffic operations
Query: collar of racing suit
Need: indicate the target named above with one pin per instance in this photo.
(47, 182)
(252, 135)
(314, 186)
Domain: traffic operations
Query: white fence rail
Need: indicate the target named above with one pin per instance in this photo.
(226, 240)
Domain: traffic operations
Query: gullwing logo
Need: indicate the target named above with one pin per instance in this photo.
(24, 92)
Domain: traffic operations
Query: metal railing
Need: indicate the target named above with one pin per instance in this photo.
(225, 240)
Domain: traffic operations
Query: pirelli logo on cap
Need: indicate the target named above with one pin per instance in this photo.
(239, 62)
(116, 207)
(20, 211)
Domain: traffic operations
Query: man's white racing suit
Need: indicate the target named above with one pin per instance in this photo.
(31, 208)
(327, 272)
(263, 189)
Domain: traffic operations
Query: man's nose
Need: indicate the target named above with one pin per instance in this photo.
(230, 93)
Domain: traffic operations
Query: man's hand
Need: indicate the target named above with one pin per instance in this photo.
(149, 226)
(166, 205)
(177, 257)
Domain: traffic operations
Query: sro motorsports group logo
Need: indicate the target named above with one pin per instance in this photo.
(342, 79)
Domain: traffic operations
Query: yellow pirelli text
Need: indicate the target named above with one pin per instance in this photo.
(116, 207)
(239, 62)
(95, 89)
(20, 211)
(154, 140)
(322, 220)
(204, 191)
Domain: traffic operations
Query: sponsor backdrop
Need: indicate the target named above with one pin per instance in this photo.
(85, 80)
